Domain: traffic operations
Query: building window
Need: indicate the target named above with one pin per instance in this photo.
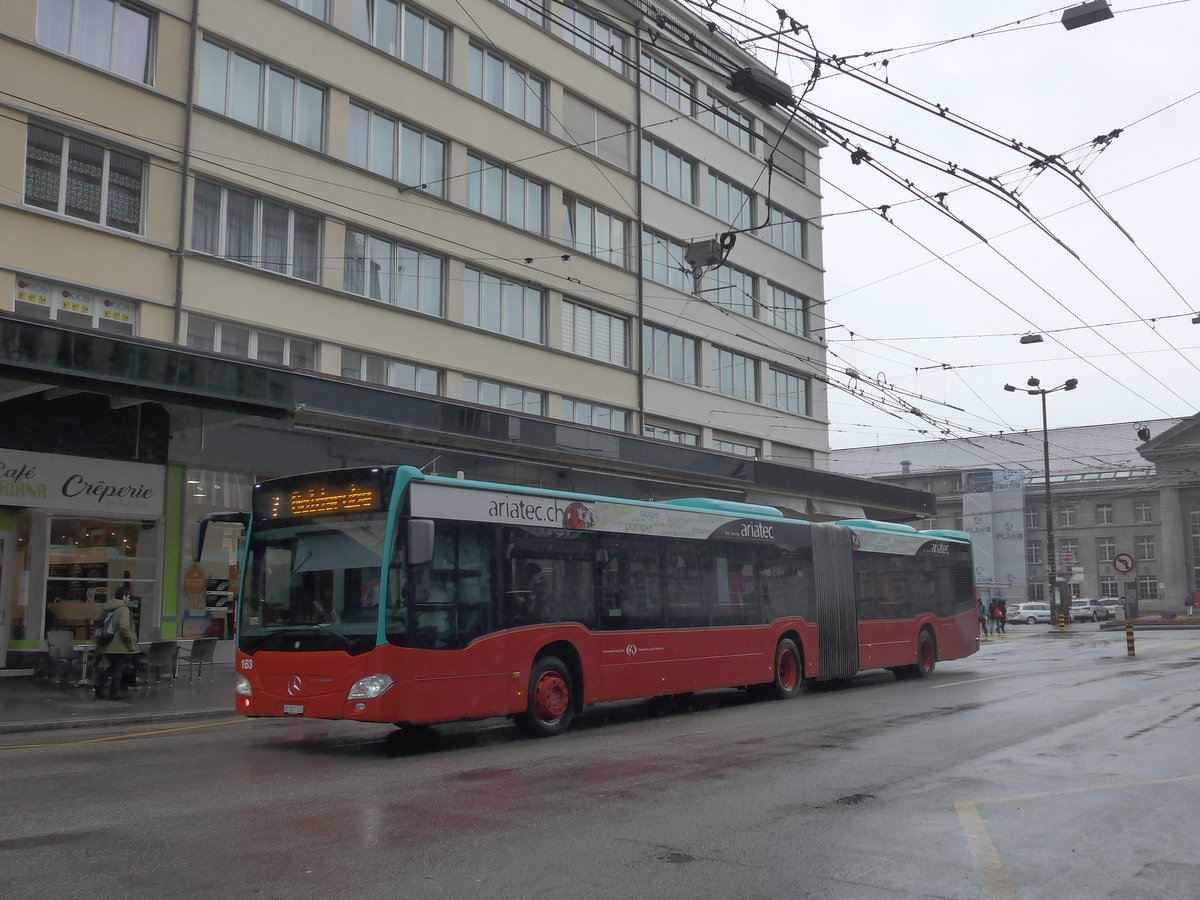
(1147, 587)
(396, 150)
(503, 194)
(1143, 513)
(668, 354)
(1194, 521)
(594, 334)
(786, 231)
(786, 156)
(260, 95)
(787, 392)
(403, 32)
(315, 8)
(1035, 590)
(1104, 514)
(789, 311)
(729, 122)
(392, 273)
(1145, 548)
(1033, 552)
(668, 170)
(255, 231)
(113, 35)
(66, 305)
(734, 374)
(663, 261)
(502, 306)
(1066, 518)
(729, 202)
(83, 180)
(503, 396)
(596, 132)
(669, 85)
(533, 10)
(594, 231)
(505, 85)
(392, 372)
(673, 435)
(732, 288)
(1106, 549)
(737, 448)
(581, 412)
(251, 343)
(1108, 586)
(1032, 520)
(599, 40)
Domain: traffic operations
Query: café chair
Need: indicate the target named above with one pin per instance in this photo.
(201, 653)
(60, 654)
(160, 656)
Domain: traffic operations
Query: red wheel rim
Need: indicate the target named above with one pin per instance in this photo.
(788, 670)
(551, 697)
(926, 654)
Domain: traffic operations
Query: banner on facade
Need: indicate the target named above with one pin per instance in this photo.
(994, 515)
(77, 483)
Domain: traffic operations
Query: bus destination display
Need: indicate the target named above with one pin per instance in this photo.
(324, 501)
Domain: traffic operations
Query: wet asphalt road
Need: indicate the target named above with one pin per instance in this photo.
(1046, 766)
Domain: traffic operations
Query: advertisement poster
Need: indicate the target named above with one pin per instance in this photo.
(994, 515)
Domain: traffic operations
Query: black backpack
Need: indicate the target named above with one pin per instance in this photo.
(102, 628)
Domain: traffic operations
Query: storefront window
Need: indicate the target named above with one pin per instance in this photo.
(18, 611)
(89, 559)
(209, 610)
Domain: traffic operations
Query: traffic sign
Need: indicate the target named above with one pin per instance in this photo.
(1123, 563)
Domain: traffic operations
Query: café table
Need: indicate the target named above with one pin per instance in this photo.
(86, 658)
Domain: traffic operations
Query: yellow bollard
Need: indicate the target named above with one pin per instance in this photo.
(1129, 639)
(1062, 622)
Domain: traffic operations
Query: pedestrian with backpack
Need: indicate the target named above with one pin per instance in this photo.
(116, 642)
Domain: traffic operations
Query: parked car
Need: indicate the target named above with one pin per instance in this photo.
(1109, 608)
(1082, 610)
(1030, 613)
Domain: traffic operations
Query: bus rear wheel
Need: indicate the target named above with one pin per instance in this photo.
(926, 658)
(550, 703)
(788, 674)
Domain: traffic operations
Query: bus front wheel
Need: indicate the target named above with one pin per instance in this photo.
(788, 674)
(550, 704)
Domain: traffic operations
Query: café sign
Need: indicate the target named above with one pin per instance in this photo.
(76, 483)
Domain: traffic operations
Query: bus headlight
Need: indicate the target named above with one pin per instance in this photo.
(241, 685)
(369, 688)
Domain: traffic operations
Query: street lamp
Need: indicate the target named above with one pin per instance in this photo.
(1056, 604)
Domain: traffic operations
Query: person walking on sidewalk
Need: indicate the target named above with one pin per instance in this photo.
(983, 618)
(120, 651)
(996, 615)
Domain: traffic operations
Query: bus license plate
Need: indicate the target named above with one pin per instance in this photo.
(293, 709)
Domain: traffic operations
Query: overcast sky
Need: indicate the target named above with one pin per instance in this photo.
(922, 304)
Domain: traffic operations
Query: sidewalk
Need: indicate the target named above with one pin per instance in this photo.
(33, 704)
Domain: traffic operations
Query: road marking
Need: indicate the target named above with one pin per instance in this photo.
(995, 877)
(120, 737)
(1088, 789)
(979, 839)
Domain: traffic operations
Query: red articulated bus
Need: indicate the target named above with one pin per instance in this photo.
(387, 595)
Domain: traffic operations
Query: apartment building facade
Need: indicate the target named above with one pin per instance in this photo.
(243, 239)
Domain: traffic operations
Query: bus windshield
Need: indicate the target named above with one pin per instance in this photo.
(313, 585)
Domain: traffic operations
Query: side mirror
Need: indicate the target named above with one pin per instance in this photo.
(420, 541)
(239, 518)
